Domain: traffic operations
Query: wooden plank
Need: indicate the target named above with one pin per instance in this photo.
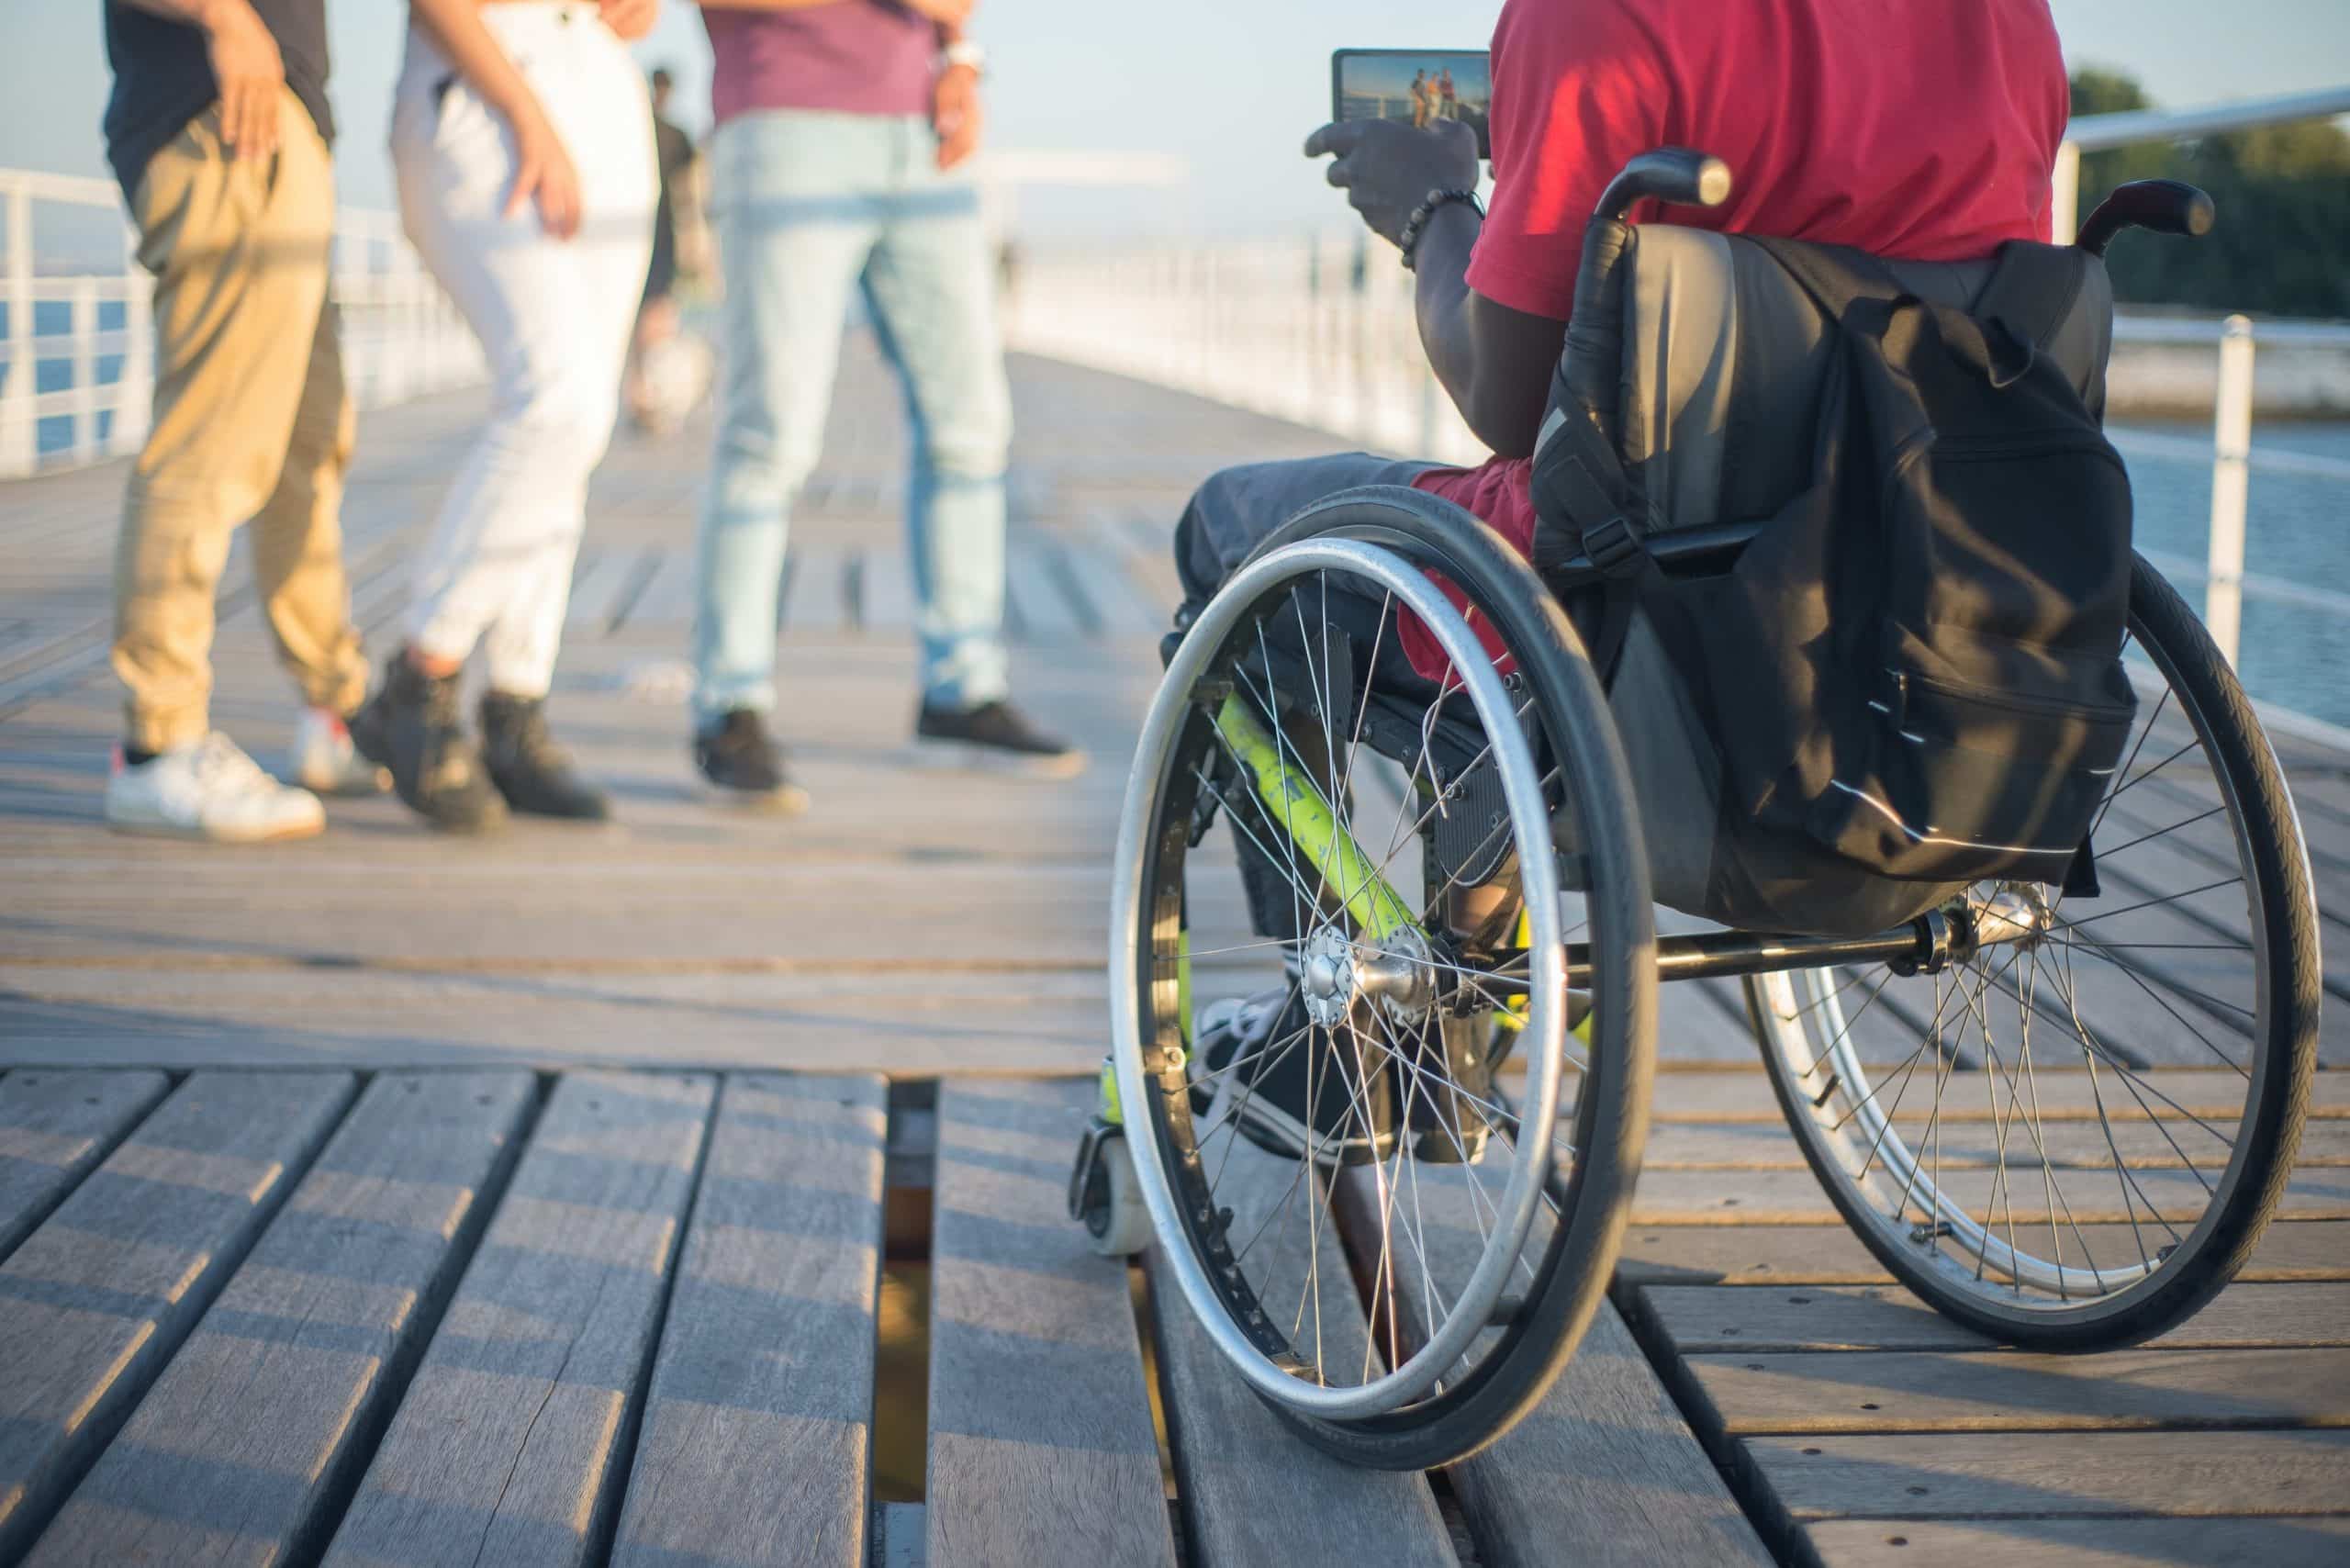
(816, 598)
(1947, 1474)
(2086, 1543)
(1022, 1020)
(1743, 1094)
(1252, 1490)
(758, 1426)
(1041, 1448)
(669, 598)
(251, 1433)
(1606, 1460)
(886, 593)
(54, 1126)
(1730, 1319)
(1150, 567)
(1692, 1025)
(1120, 609)
(1791, 1196)
(1045, 608)
(2009, 1391)
(596, 591)
(95, 1301)
(2024, 1142)
(508, 1445)
(1832, 1255)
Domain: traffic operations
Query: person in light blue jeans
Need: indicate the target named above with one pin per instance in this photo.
(826, 180)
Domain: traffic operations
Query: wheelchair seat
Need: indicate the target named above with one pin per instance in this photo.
(1705, 363)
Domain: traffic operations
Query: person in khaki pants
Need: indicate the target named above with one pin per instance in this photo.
(218, 131)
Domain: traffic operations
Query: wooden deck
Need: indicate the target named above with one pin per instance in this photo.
(566, 1197)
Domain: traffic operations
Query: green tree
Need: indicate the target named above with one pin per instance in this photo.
(2282, 243)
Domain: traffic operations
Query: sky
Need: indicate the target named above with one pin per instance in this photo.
(1231, 86)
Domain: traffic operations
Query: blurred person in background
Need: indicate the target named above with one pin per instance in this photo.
(661, 385)
(218, 131)
(838, 164)
(522, 140)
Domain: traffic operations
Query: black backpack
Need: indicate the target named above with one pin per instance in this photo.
(1916, 665)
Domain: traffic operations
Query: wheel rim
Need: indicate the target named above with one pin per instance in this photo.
(1172, 1157)
(2062, 1203)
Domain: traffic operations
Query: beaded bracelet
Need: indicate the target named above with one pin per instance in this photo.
(1410, 239)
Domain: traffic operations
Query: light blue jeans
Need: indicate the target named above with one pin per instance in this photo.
(809, 205)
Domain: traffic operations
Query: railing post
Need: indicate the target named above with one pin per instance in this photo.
(134, 389)
(2064, 194)
(2231, 483)
(84, 324)
(19, 449)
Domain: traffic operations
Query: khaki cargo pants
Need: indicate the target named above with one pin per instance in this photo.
(251, 421)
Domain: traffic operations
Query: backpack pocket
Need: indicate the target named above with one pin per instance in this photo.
(1957, 782)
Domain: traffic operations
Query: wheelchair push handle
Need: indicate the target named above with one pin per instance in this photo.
(1675, 174)
(2166, 207)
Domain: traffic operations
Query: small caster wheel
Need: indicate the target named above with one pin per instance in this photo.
(1104, 1196)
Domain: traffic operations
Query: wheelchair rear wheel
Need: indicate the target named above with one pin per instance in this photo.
(1402, 1260)
(2072, 1142)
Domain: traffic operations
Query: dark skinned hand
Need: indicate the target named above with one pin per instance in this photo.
(1387, 168)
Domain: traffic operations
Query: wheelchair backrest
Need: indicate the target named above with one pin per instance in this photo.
(1721, 358)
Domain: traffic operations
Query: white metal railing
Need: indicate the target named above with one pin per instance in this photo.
(1322, 332)
(400, 336)
(2094, 134)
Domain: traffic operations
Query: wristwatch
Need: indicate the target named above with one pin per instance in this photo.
(963, 51)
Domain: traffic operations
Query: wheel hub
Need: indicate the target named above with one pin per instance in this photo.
(1334, 971)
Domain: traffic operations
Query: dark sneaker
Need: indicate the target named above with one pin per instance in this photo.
(744, 767)
(533, 773)
(412, 726)
(997, 735)
(1294, 1086)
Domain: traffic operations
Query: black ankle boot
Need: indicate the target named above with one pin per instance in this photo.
(533, 773)
(412, 727)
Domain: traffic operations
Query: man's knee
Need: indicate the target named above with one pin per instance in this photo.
(973, 440)
(1215, 521)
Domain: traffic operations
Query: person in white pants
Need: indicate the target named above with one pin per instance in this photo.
(522, 140)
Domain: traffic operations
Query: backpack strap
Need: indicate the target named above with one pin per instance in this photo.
(2032, 289)
(1576, 477)
(1834, 276)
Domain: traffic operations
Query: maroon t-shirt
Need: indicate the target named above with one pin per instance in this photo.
(868, 57)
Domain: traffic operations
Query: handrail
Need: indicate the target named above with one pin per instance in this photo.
(402, 336)
(2095, 133)
(1322, 334)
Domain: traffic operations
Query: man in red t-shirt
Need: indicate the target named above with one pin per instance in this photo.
(1923, 131)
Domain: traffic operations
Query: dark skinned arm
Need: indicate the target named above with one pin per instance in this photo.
(1495, 362)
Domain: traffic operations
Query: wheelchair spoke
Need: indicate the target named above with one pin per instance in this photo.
(1364, 1087)
(2148, 838)
(2145, 732)
(2091, 948)
(2063, 926)
(1362, 710)
(1271, 859)
(2098, 1037)
(2134, 978)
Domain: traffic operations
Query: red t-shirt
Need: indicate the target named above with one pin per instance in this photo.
(1920, 129)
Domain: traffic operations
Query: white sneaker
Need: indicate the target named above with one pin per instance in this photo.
(324, 761)
(209, 789)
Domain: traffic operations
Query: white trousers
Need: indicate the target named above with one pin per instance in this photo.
(553, 316)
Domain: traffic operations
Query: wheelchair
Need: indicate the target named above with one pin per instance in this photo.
(2062, 1119)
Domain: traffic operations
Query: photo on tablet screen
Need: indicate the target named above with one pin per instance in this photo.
(1418, 86)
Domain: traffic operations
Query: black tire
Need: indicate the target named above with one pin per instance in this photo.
(2285, 975)
(1611, 1108)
